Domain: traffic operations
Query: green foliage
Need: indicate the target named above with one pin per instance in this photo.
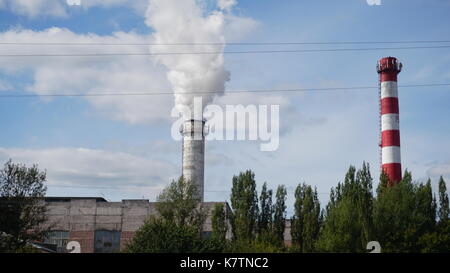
(179, 227)
(244, 202)
(403, 214)
(348, 221)
(279, 217)
(21, 208)
(265, 217)
(261, 244)
(219, 222)
(402, 217)
(341, 229)
(436, 242)
(444, 209)
(178, 203)
(158, 235)
(256, 229)
(439, 241)
(384, 182)
(305, 223)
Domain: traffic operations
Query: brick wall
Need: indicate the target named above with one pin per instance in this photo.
(83, 216)
(85, 238)
(125, 237)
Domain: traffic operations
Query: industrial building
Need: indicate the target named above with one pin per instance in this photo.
(100, 226)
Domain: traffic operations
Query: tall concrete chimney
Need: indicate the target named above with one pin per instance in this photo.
(194, 153)
(388, 69)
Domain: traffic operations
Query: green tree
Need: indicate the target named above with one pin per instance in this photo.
(444, 209)
(219, 222)
(340, 229)
(266, 237)
(384, 181)
(279, 218)
(179, 227)
(305, 223)
(297, 221)
(426, 207)
(265, 217)
(158, 235)
(439, 240)
(22, 210)
(348, 221)
(178, 203)
(404, 216)
(365, 202)
(258, 245)
(244, 202)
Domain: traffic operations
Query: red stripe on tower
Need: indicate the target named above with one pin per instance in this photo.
(388, 68)
(390, 138)
(389, 106)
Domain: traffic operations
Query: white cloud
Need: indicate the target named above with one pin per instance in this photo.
(438, 170)
(374, 2)
(73, 2)
(88, 75)
(226, 4)
(59, 8)
(138, 6)
(111, 74)
(94, 168)
(33, 8)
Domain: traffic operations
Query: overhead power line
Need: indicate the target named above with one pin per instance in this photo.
(222, 52)
(104, 93)
(120, 187)
(225, 43)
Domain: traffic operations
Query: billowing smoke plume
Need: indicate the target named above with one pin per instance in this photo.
(185, 21)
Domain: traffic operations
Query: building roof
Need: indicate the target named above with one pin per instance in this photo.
(68, 199)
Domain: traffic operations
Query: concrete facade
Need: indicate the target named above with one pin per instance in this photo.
(90, 220)
(102, 226)
(194, 154)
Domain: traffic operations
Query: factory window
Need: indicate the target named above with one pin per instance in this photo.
(107, 241)
(57, 239)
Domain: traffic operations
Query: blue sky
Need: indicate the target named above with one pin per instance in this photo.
(121, 148)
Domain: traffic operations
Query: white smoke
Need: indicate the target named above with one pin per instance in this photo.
(185, 21)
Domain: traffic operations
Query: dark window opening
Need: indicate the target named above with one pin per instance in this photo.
(106, 241)
(57, 239)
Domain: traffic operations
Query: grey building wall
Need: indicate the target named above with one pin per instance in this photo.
(83, 218)
(92, 219)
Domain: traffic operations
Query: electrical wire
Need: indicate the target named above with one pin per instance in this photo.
(122, 187)
(105, 93)
(224, 52)
(227, 43)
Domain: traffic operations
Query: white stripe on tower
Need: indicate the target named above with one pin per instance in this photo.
(388, 68)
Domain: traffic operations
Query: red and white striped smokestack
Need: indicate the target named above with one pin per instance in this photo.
(388, 68)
